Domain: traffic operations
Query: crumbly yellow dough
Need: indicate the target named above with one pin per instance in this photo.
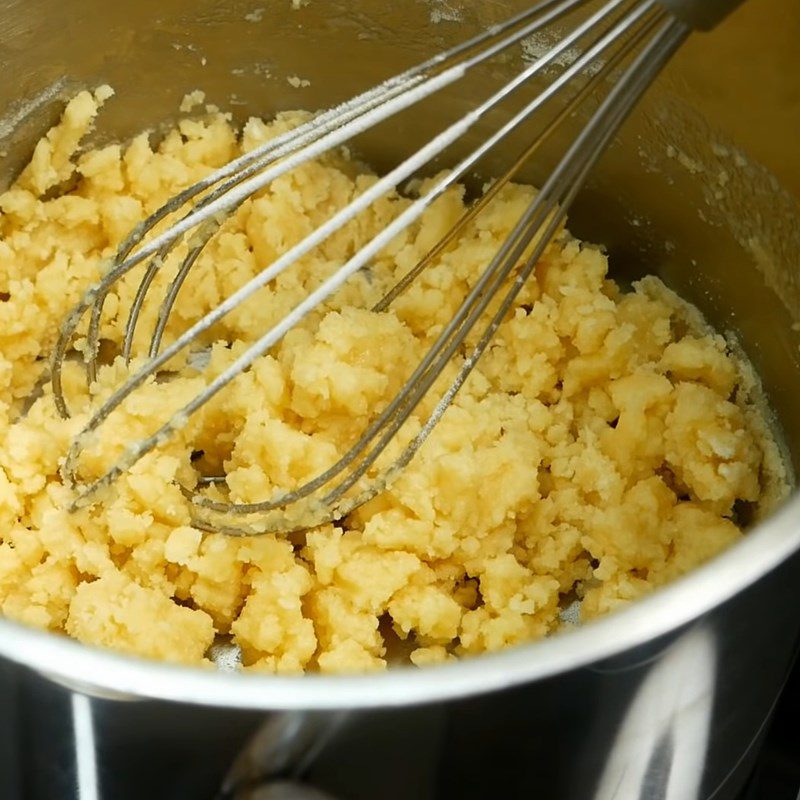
(601, 448)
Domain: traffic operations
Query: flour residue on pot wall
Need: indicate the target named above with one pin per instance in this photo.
(444, 11)
(542, 43)
(739, 195)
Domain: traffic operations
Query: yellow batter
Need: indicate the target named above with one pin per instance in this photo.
(597, 451)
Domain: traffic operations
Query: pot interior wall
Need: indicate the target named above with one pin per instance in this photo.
(674, 196)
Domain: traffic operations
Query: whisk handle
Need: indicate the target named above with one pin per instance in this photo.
(702, 15)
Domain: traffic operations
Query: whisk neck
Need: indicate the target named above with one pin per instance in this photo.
(701, 15)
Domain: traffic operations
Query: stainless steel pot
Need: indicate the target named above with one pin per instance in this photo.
(666, 699)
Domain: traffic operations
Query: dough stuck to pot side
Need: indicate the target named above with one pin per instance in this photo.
(603, 446)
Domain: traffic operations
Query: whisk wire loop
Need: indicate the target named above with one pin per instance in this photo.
(564, 184)
(420, 382)
(620, 30)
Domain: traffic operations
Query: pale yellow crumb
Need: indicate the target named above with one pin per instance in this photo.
(103, 93)
(192, 100)
(297, 82)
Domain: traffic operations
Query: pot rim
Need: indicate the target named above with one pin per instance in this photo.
(104, 673)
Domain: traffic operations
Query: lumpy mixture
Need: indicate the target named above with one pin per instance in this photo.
(607, 442)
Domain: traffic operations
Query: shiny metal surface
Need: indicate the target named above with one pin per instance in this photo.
(548, 715)
(661, 745)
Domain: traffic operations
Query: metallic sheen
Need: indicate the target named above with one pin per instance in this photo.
(702, 15)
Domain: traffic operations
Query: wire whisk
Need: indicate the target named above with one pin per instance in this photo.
(609, 57)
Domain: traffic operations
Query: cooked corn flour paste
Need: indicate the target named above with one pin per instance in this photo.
(601, 448)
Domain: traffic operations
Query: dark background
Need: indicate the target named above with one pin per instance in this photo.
(777, 775)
